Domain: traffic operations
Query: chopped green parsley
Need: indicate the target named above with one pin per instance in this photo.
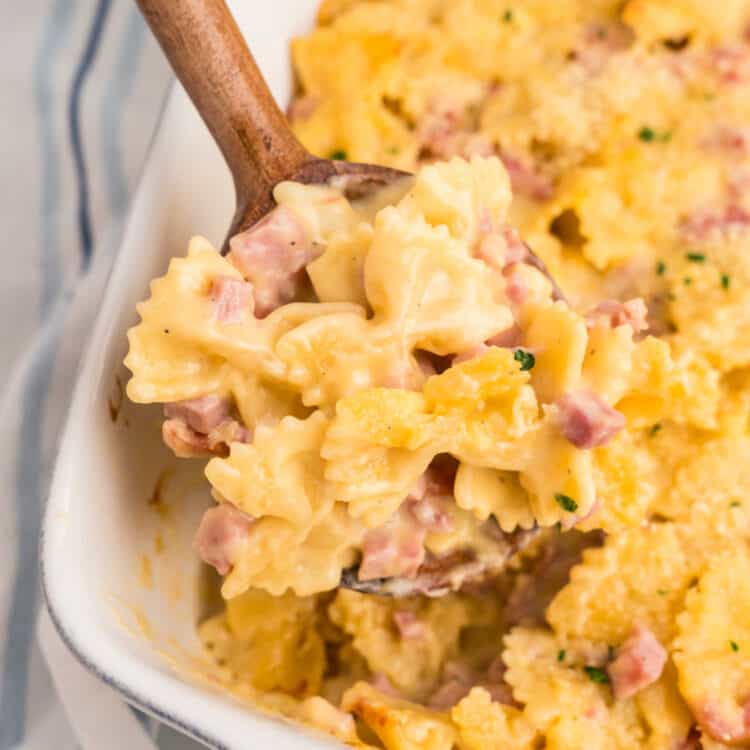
(508, 15)
(561, 655)
(566, 503)
(338, 155)
(597, 674)
(649, 135)
(696, 257)
(526, 359)
(654, 429)
(735, 504)
(687, 281)
(734, 645)
(725, 281)
(662, 592)
(661, 267)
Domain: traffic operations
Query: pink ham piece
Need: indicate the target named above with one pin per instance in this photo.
(714, 723)
(431, 512)
(272, 256)
(730, 64)
(586, 421)
(201, 414)
(232, 298)
(443, 132)
(201, 427)
(728, 139)
(429, 501)
(639, 663)
(526, 180)
(633, 313)
(395, 549)
(184, 441)
(409, 627)
(701, 224)
(516, 288)
(448, 694)
(383, 685)
(222, 535)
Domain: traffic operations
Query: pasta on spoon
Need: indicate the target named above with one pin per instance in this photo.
(388, 393)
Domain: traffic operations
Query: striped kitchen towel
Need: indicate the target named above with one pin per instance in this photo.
(82, 87)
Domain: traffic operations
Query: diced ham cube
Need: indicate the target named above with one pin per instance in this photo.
(728, 139)
(703, 223)
(228, 432)
(232, 298)
(395, 549)
(526, 180)
(587, 421)
(633, 313)
(410, 628)
(272, 256)
(222, 535)
(448, 694)
(600, 42)
(714, 722)
(730, 64)
(382, 684)
(639, 663)
(499, 249)
(431, 513)
(184, 441)
(201, 414)
(510, 338)
(444, 132)
(516, 288)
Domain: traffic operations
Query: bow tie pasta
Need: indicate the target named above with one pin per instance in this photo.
(394, 400)
(458, 351)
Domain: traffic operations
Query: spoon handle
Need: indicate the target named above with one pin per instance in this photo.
(212, 61)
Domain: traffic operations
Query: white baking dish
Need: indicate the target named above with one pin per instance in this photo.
(121, 579)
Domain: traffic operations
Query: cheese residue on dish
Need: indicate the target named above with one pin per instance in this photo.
(407, 375)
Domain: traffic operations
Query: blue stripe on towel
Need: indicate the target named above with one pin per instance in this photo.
(20, 633)
(18, 638)
(118, 90)
(74, 120)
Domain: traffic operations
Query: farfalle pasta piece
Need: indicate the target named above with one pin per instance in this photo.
(487, 492)
(333, 356)
(558, 336)
(279, 474)
(639, 575)
(557, 684)
(424, 286)
(624, 493)
(399, 725)
(664, 711)
(181, 349)
(268, 642)
(279, 556)
(558, 477)
(713, 648)
(484, 724)
(377, 447)
(459, 195)
(337, 275)
(412, 665)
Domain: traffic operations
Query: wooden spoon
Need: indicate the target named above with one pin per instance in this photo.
(212, 61)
